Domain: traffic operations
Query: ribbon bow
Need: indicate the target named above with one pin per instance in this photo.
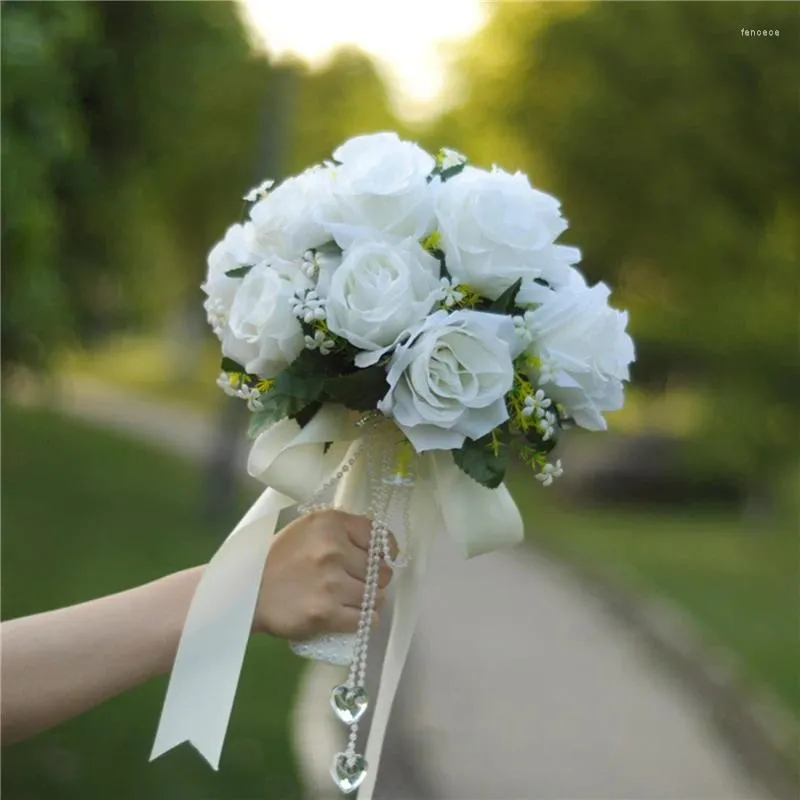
(294, 462)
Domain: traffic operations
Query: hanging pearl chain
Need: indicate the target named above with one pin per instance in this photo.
(380, 496)
(316, 501)
(382, 491)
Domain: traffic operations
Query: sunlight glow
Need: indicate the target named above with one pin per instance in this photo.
(408, 39)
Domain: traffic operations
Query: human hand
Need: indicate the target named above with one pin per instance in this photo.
(314, 577)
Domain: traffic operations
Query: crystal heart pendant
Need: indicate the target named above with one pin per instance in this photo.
(349, 703)
(348, 772)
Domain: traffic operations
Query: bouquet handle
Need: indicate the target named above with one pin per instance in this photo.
(332, 648)
(352, 495)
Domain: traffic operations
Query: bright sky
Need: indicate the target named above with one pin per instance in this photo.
(407, 37)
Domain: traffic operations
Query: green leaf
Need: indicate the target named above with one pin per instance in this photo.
(310, 363)
(275, 407)
(260, 421)
(361, 390)
(298, 390)
(479, 461)
(290, 396)
(229, 365)
(506, 302)
(451, 172)
(238, 272)
(535, 438)
(304, 416)
(439, 256)
(329, 249)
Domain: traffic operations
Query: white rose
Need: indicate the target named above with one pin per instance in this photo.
(286, 222)
(263, 333)
(496, 228)
(228, 254)
(378, 291)
(380, 187)
(449, 380)
(585, 352)
(532, 293)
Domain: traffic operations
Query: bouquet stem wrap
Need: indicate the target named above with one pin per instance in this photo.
(292, 462)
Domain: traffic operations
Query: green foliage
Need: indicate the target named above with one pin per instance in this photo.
(506, 302)
(120, 160)
(130, 131)
(298, 392)
(290, 396)
(229, 365)
(308, 413)
(345, 99)
(274, 409)
(485, 460)
(313, 364)
(238, 272)
(360, 390)
(301, 388)
(260, 421)
(451, 172)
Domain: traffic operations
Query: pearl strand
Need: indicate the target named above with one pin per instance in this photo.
(316, 501)
(350, 765)
(379, 536)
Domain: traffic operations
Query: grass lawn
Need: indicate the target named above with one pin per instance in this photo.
(737, 579)
(87, 513)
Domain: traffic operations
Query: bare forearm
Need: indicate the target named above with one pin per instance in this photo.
(60, 663)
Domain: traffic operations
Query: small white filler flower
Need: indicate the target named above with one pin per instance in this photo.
(536, 404)
(319, 342)
(309, 307)
(549, 473)
(259, 192)
(448, 293)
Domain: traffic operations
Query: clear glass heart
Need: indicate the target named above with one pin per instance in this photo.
(348, 773)
(348, 703)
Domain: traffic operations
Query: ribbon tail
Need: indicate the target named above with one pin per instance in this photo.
(209, 660)
(404, 620)
(480, 520)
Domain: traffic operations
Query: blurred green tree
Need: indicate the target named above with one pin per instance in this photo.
(345, 98)
(671, 138)
(128, 131)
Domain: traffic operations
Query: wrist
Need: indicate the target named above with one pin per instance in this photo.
(170, 606)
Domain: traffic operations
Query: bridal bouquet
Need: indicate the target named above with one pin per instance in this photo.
(415, 315)
(426, 289)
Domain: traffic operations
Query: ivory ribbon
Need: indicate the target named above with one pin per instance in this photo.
(292, 462)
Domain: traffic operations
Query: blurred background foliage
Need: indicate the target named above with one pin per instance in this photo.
(106, 108)
(130, 131)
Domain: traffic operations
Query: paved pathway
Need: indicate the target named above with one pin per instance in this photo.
(519, 686)
(525, 688)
